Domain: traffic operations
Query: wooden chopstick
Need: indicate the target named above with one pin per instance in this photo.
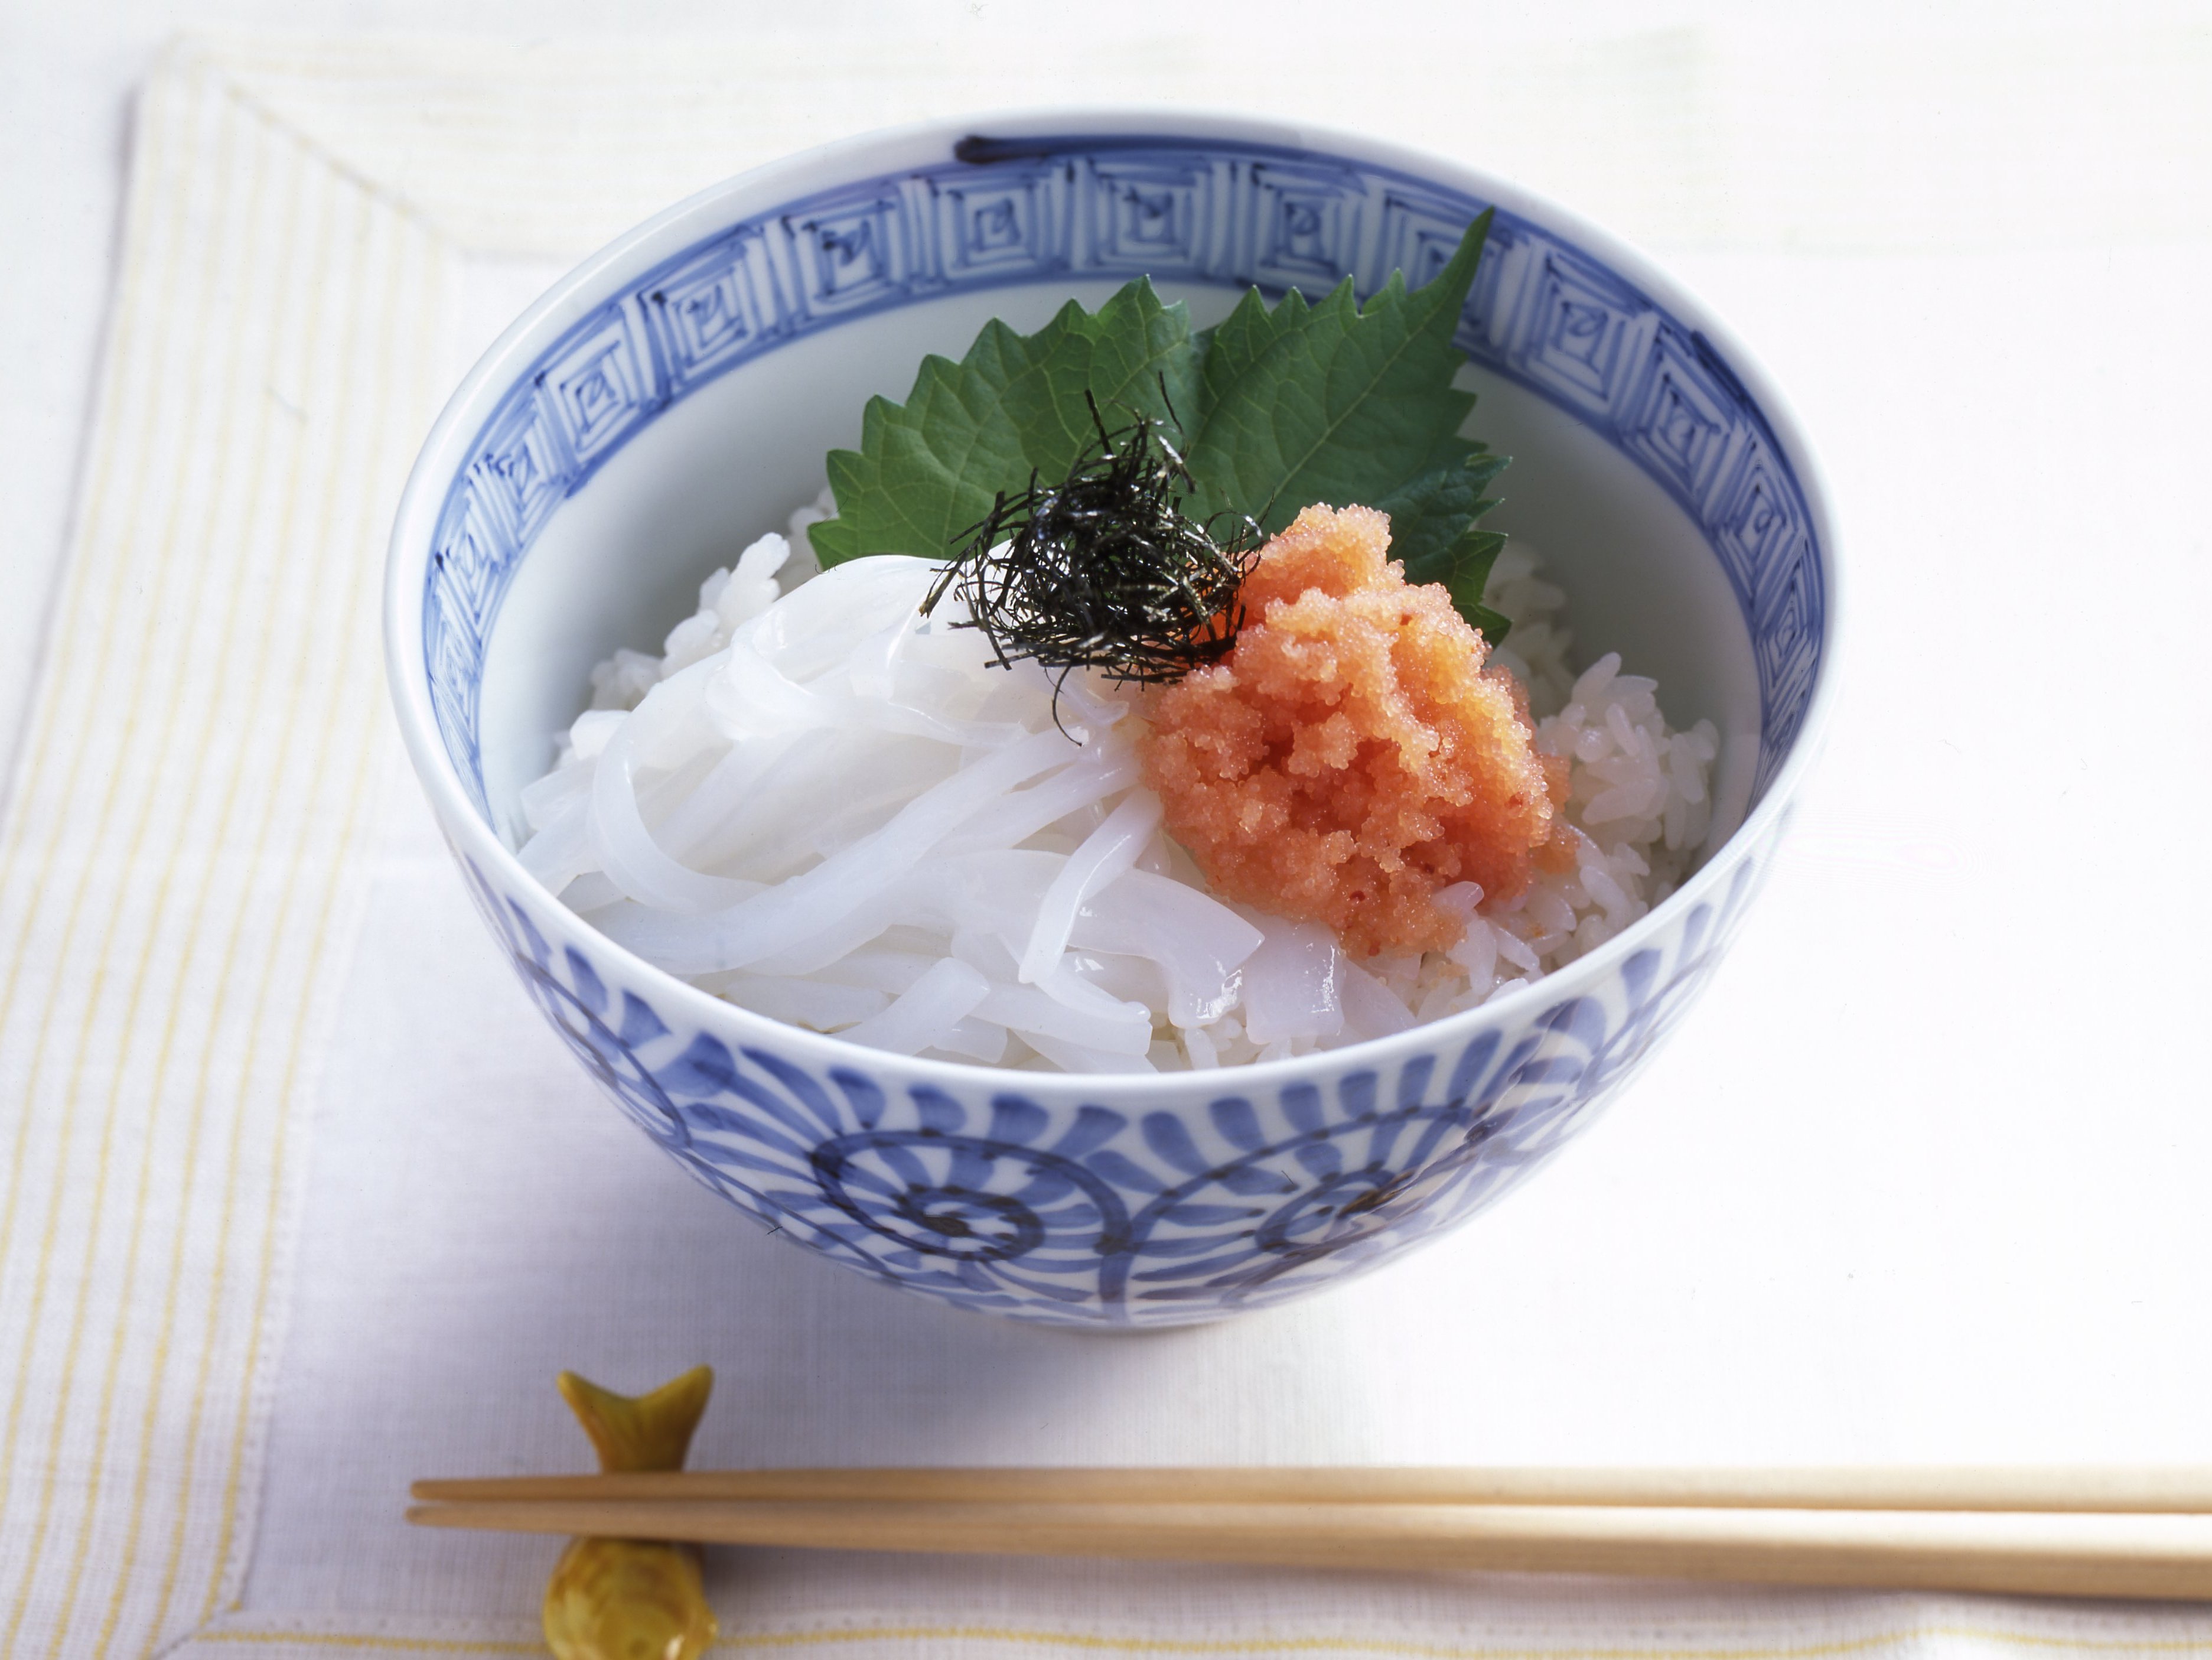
(2059, 1488)
(2077, 1553)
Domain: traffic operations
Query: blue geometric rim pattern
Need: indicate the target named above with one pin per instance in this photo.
(1543, 315)
(1086, 1213)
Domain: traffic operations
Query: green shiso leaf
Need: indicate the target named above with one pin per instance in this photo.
(1278, 408)
(929, 470)
(1432, 531)
(1331, 402)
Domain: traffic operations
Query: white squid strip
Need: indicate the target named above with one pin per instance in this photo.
(902, 720)
(562, 851)
(973, 1040)
(1029, 1012)
(1075, 1057)
(872, 798)
(1123, 979)
(1085, 996)
(925, 1014)
(814, 1003)
(1198, 941)
(871, 668)
(1294, 983)
(1106, 853)
(671, 726)
(751, 697)
(1062, 1006)
(1371, 1009)
(634, 859)
(993, 893)
(813, 630)
(883, 970)
(590, 891)
(541, 802)
(1012, 819)
(778, 918)
(797, 786)
(732, 781)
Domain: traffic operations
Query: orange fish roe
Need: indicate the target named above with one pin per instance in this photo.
(1351, 755)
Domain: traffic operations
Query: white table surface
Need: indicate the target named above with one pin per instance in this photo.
(1922, 1178)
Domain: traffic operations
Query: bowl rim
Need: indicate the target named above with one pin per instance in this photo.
(591, 281)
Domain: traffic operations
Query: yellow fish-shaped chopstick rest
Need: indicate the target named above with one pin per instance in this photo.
(632, 1599)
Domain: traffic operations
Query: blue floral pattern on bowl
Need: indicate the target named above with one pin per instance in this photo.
(1084, 1200)
(997, 1197)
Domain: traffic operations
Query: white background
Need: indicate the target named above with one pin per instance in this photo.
(1921, 1180)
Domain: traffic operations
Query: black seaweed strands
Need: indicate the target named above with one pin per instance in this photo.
(1104, 569)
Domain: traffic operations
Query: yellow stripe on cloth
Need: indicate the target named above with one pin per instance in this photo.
(181, 857)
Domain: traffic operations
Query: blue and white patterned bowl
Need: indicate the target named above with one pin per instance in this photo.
(675, 395)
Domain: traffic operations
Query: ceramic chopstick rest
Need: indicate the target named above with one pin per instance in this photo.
(632, 1599)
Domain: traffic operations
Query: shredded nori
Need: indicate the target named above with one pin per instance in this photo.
(1105, 569)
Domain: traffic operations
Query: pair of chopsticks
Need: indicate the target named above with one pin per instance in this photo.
(2062, 1532)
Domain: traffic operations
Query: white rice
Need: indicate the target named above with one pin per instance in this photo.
(769, 810)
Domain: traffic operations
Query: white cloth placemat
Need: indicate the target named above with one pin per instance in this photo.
(186, 854)
(298, 1202)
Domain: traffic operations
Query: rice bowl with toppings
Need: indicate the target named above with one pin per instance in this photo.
(671, 400)
(821, 806)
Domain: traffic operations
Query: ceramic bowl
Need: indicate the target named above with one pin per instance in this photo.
(675, 396)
